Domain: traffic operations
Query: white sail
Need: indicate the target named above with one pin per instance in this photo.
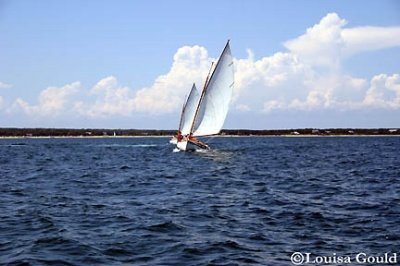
(189, 111)
(216, 98)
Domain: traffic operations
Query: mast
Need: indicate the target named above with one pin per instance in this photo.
(206, 86)
(201, 99)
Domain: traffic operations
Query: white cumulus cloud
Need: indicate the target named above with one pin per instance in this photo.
(321, 44)
(52, 101)
(111, 99)
(384, 92)
(165, 95)
(2, 104)
(363, 39)
(311, 75)
(328, 42)
(5, 85)
(167, 92)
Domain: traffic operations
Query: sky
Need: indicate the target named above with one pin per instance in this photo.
(130, 64)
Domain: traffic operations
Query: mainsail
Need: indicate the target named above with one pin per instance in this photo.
(189, 111)
(215, 99)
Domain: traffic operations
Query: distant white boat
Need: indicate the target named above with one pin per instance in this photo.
(204, 114)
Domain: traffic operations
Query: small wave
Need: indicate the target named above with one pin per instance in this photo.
(124, 145)
(258, 237)
(117, 252)
(52, 240)
(193, 251)
(165, 227)
(31, 261)
(144, 145)
(15, 145)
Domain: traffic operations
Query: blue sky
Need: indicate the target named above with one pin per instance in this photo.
(129, 64)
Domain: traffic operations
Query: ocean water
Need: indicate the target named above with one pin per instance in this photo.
(250, 201)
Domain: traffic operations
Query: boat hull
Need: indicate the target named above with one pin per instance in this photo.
(189, 145)
(182, 145)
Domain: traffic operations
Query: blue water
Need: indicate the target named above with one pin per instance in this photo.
(250, 201)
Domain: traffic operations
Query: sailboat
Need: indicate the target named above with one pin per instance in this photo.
(203, 114)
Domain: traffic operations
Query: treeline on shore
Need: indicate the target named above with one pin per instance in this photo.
(69, 132)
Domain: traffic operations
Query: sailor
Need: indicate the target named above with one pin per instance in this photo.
(179, 137)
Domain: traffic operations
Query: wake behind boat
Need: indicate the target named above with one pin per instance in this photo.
(203, 114)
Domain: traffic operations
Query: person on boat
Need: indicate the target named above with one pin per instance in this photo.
(179, 136)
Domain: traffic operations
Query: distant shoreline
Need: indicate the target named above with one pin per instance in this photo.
(130, 133)
(216, 136)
